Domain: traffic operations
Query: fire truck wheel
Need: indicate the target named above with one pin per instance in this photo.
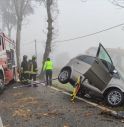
(2, 86)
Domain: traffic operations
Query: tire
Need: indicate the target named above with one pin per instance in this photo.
(114, 97)
(2, 86)
(64, 75)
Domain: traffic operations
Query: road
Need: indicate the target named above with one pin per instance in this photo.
(45, 107)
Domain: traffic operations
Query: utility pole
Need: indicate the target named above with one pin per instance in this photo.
(36, 48)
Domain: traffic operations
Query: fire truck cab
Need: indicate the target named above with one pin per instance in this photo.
(7, 60)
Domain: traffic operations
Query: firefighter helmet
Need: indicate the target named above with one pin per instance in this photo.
(48, 59)
(33, 57)
(24, 57)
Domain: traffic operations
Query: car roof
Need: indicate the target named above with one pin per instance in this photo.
(84, 55)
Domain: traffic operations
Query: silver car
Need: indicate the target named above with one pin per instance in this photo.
(99, 76)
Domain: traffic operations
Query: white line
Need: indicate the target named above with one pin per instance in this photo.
(1, 124)
(88, 102)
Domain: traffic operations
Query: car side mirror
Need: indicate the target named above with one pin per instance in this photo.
(112, 69)
(115, 71)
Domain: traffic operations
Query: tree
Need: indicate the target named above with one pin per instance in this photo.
(19, 10)
(7, 16)
(22, 8)
(119, 3)
(50, 5)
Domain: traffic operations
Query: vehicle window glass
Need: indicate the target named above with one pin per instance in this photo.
(0, 40)
(89, 60)
(2, 44)
(81, 57)
(104, 56)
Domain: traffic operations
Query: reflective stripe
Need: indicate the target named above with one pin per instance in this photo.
(26, 72)
(32, 70)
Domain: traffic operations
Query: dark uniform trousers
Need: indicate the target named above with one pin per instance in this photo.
(49, 77)
(33, 76)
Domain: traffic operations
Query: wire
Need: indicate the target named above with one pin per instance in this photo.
(31, 42)
(107, 29)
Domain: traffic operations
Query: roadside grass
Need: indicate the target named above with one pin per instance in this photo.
(69, 88)
(66, 87)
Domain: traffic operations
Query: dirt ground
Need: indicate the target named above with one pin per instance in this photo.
(44, 107)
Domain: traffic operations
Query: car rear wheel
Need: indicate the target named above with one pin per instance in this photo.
(64, 75)
(114, 97)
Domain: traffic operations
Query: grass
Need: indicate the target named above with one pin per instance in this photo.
(66, 87)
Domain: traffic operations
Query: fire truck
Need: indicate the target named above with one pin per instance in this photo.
(7, 60)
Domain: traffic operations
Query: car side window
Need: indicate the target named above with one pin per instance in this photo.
(104, 56)
(86, 59)
(89, 60)
(81, 57)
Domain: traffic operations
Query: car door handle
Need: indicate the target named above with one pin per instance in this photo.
(78, 63)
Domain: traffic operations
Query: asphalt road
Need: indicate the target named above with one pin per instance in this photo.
(45, 107)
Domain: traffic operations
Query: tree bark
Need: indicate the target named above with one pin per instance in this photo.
(49, 36)
(18, 37)
(9, 31)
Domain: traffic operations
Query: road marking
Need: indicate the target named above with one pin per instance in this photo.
(114, 113)
(1, 124)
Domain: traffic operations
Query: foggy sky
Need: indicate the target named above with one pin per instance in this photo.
(76, 18)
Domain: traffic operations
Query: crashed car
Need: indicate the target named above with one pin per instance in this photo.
(101, 76)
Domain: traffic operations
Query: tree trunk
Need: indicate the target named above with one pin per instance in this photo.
(9, 32)
(18, 37)
(49, 36)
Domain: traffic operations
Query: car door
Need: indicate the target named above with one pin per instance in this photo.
(82, 64)
(101, 70)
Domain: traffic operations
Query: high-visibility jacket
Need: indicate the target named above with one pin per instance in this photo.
(48, 65)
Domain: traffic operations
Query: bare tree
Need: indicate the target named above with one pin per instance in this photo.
(50, 5)
(23, 8)
(16, 11)
(7, 16)
(119, 3)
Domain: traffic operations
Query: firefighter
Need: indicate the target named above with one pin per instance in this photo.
(33, 71)
(48, 67)
(29, 68)
(24, 70)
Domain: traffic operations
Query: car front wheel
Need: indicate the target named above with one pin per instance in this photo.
(64, 75)
(114, 97)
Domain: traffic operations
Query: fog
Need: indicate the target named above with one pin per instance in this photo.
(75, 18)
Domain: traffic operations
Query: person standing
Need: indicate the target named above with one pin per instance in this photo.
(33, 72)
(48, 67)
(29, 68)
(24, 70)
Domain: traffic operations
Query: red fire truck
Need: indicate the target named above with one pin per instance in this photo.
(7, 60)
